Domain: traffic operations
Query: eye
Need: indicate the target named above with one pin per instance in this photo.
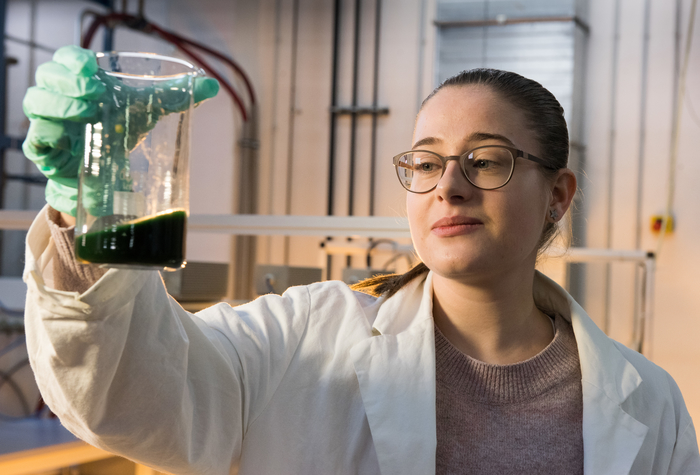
(483, 164)
(426, 164)
(426, 167)
(490, 160)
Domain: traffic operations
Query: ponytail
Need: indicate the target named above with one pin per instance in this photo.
(388, 285)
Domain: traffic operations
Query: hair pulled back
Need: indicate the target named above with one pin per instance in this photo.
(544, 118)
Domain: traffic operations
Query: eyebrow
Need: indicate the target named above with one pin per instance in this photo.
(474, 137)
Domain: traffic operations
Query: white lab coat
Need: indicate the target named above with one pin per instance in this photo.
(321, 380)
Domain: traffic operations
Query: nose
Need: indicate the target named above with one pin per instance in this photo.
(453, 185)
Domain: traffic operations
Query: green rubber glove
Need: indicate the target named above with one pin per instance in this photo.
(67, 96)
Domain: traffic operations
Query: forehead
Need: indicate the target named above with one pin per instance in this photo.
(455, 113)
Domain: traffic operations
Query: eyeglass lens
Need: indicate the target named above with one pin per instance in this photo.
(485, 167)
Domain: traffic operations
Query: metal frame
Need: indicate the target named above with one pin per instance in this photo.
(264, 225)
(512, 21)
(395, 228)
(642, 317)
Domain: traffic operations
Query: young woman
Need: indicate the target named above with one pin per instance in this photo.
(471, 363)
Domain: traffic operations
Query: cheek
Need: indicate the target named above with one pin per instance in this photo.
(528, 217)
(417, 212)
(413, 209)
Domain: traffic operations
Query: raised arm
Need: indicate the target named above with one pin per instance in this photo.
(128, 370)
(120, 362)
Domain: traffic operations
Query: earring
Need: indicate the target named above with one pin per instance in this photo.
(553, 214)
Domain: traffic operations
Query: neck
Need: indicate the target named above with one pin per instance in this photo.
(496, 322)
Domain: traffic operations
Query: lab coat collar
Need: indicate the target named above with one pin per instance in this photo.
(612, 438)
(396, 373)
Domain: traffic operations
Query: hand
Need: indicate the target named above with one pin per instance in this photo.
(67, 96)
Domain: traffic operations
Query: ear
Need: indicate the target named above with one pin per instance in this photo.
(563, 189)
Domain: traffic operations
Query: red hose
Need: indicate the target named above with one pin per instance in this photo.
(181, 43)
(92, 29)
(217, 55)
(194, 57)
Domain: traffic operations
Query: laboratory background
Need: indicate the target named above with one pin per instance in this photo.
(291, 176)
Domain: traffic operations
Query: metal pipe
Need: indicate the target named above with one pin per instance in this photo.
(334, 103)
(361, 249)
(275, 123)
(31, 44)
(375, 100)
(642, 121)
(244, 251)
(647, 313)
(359, 110)
(282, 225)
(353, 118)
(28, 167)
(681, 70)
(421, 53)
(3, 112)
(484, 36)
(512, 21)
(292, 120)
(108, 38)
(611, 162)
(640, 277)
(279, 225)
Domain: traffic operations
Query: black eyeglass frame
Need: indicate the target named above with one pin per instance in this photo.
(515, 153)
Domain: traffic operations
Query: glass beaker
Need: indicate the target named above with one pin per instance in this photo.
(133, 193)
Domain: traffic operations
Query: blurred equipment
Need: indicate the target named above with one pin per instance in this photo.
(270, 279)
(353, 276)
(395, 250)
(198, 282)
(19, 395)
(657, 221)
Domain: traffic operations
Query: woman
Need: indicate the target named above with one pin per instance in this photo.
(471, 363)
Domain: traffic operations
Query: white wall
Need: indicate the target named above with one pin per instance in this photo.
(640, 158)
(671, 338)
(261, 38)
(294, 90)
(258, 35)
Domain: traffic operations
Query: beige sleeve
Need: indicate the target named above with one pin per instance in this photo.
(68, 274)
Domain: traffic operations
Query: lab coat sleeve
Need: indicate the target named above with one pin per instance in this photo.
(685, 459)
(128, 370)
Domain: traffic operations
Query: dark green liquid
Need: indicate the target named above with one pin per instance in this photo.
(157, 241)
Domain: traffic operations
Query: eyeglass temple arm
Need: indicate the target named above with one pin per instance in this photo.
(532, 158)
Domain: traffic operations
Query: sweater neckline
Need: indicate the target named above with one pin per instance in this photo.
(495, 384)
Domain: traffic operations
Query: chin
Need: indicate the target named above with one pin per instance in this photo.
(459, 270)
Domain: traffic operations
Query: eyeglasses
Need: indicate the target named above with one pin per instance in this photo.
(488, 167)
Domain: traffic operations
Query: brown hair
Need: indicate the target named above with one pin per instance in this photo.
(545, 117)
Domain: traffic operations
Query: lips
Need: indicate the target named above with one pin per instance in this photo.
(455, 226)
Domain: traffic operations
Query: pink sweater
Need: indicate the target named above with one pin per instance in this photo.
(523, 418)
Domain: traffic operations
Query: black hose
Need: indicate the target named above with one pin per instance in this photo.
(375, 105)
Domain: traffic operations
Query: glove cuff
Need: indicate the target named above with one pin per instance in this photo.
(68, 274)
